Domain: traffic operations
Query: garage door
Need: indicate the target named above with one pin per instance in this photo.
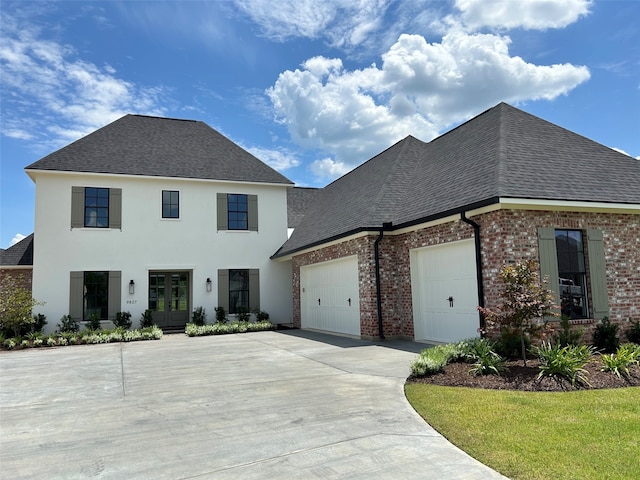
(329, 296)
(444, 292)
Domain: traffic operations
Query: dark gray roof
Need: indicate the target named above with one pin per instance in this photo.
(154, 146)
(19, 254)
(503, 152)
(299, 200)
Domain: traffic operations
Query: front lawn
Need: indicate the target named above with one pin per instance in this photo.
(539, 435)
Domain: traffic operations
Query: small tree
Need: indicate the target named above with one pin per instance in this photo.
(16, 305)
(123, 320)
(146, 319)
(526, 301)
(221, 314)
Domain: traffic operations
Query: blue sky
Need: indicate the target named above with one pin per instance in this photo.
(313, 88)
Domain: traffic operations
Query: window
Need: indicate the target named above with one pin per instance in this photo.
(572, 273)
(96, 207)
(239, 288)
(574, 262)
(237, 212)
(96, 292)
(96, 295)
(170, 204)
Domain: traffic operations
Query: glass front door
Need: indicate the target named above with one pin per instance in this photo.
(169, 298)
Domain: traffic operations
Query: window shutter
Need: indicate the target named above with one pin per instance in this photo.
(597, 274)
(222, 212)
(223, 289)
(252, 207)
(549, 259)
(115, 208)
(77, 207)
(115, 294)
(254, 289)
(76, 295)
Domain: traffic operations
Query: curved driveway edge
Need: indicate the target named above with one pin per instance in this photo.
(260, 405)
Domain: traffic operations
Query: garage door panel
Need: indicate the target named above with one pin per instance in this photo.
(334, 284)
(437, 273)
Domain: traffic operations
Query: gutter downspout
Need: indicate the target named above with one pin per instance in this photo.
(476, 235)
(376, 251)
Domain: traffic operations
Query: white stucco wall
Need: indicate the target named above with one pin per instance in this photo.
(149, 242)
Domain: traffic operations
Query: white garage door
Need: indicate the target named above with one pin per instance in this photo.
(329, 296)
(444, 292)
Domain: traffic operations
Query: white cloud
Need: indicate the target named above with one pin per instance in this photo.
(421, 89)
(328, 169)
(527, 14)
(345, 23)
(16, 238)
(55, 97)
(279, 159)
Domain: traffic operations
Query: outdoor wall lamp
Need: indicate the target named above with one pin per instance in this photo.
(209, 284)
(132, 287)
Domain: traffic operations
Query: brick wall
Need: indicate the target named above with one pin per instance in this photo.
(507, 236)
(23, 276)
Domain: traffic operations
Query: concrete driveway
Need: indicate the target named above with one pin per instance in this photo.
(251, 406)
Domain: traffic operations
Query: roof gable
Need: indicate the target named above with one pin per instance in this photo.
(503, 152)
(18, 254)
(164, 147)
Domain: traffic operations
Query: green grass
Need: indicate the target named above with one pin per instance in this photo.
(539, 435)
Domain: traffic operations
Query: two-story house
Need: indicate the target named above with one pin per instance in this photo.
(158, 213)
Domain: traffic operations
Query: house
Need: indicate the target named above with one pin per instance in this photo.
(17, 262)
(409, 243)
(161, 214)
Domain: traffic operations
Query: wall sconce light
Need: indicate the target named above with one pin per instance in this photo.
(132, 287)
(209, 284)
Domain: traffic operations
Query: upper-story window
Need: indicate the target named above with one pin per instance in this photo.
(96, 207)
(237, 211)
(170, 204)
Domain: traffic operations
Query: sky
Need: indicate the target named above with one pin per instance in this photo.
(311, 87)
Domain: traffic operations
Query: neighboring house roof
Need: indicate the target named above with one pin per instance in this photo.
(19, 254)
(299, 200)
(163, 147)
(502, 153)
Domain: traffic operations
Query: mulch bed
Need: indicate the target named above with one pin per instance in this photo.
(524, 378)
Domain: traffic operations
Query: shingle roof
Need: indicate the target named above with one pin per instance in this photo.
(154, 146)
(503, 152)
(299, 200)
(19, 254)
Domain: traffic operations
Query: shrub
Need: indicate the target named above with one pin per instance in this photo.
(123, 320)
(261, 316)
(509, 344)
(485, 360)
(39, 321)
(199, 316)
(244, 314)
(146, 319)
(433, 360)
(566, 335)
(619, 362)
(221, 315)
(68, 325)
(563, 361)
(633, 334)
(94, 322)
(16, 305)
(605, 336)
(193, 330)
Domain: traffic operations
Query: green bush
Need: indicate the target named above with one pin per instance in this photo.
(146, 319)
(68, 325)
(16, 305)
(509, 345)
(564, 361)
(605, 336)
(244, 314)
(261, 316)
(433, 360)
(199, 316)
(567, 335)
(123, 320)
(619, 362)
(94, 322)
(485, 361)
(633, 334)
(221, 315)
(193, 330)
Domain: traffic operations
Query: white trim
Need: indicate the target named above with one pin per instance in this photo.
(16, 267)
(568, 205)
(33, 172)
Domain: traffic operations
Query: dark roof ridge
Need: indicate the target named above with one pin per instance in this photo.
(162, 118)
